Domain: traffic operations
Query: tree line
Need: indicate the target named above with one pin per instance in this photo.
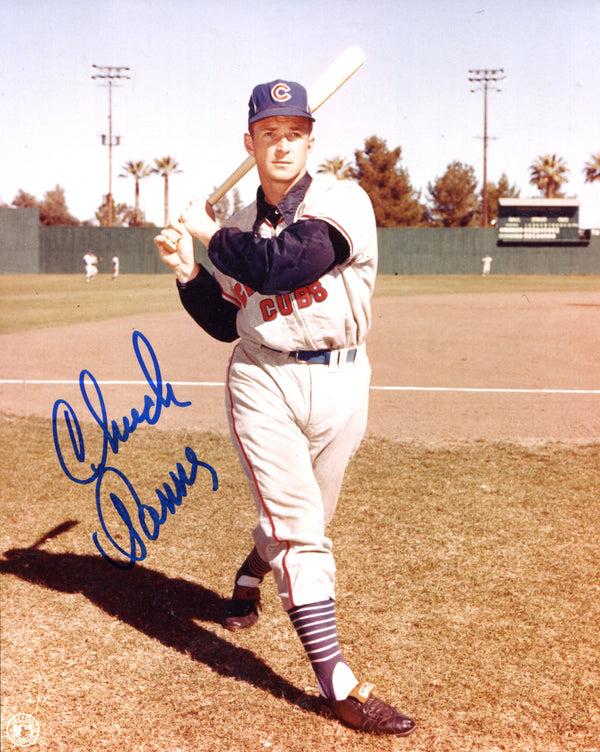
(54, 211)
(452, 199)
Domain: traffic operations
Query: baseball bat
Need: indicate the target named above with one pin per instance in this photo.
(332, 78)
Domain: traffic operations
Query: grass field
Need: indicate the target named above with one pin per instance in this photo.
(468, 591)
(31, 301)
(468, 582)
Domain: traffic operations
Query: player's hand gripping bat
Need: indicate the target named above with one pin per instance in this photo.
(342, 68)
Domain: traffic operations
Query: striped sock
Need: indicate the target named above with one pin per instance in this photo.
(315, 624)
(253, 570)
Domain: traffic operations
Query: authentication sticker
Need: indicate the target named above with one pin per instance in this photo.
(23, 730)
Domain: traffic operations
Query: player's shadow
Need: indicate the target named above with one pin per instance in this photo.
(160, 607)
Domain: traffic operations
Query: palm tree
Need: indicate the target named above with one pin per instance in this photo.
(591, 169)
(338, 166)
(548, 173)
(139, 170)
(164, 167)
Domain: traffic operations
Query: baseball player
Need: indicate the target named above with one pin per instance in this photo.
(293, 277)
(486, 264)
(90, 261)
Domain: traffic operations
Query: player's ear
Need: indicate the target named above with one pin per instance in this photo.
(248, 143)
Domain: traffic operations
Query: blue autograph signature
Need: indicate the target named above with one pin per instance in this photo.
(79, 469)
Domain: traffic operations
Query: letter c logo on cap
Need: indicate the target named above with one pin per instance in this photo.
(281, 92)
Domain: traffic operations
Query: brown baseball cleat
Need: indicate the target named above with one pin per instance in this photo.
(364, 712)
(243, 608)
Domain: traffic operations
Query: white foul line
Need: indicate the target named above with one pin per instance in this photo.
(481, 390)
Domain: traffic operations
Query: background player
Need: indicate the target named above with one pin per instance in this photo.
(90, 261)
(293, 278)
(486, 264)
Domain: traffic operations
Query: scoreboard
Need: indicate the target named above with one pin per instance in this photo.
(539, 221)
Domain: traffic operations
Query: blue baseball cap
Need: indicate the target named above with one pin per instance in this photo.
(278, 99)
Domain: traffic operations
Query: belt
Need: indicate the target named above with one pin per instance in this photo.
(321, 356)
(318, 356)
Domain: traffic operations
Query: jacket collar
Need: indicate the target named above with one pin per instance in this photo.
(286, 208)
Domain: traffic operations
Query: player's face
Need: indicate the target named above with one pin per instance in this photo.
(281, 146)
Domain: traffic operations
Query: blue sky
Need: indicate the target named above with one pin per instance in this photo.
(194, 63)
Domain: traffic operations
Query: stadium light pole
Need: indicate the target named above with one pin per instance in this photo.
(109, 74)
(484, 77)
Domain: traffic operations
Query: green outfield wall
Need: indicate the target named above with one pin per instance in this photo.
(27, 247)
(19, 241)
(62, 249)
(437, 250)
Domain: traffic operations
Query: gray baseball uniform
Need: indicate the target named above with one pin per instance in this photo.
(297, 389)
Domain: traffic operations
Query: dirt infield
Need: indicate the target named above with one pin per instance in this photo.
(512, 367)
